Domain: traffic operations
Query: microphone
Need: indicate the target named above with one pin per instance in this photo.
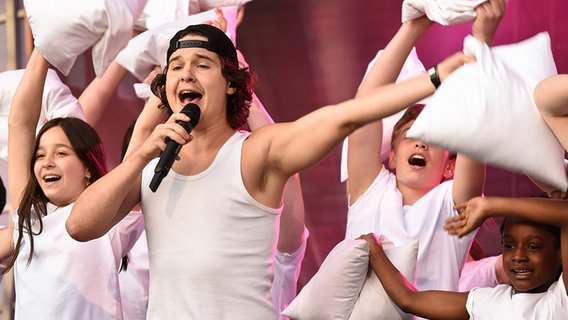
(172, 148)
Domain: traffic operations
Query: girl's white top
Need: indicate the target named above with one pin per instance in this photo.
(67, 279)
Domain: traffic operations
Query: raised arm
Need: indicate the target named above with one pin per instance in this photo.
(120, 188)
(364, 149)
(281, 150)
(96, 97)
(292, 147)
(22, 123)
(430, 304)
(469, 178)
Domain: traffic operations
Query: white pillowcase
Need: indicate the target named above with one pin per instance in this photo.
(148, 49)
(332, 291)
(445, 12)
(412, 67)
(486, 110)
(64, 29)
(373, 302)
(343, 289)
(57, 101)
(158, 12)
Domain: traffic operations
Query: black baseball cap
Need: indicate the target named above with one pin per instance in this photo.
(217, 41)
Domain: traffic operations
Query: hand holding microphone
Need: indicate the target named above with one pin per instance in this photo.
(172, 148)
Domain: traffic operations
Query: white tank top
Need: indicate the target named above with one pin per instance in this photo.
(210, 244)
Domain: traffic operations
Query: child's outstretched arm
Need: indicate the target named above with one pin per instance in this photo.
(364, 149)
(22, 123)
(541, 210)
(431, 304)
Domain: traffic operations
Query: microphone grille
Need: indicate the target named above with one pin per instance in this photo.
(193, 112)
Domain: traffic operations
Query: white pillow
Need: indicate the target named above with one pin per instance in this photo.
(373, 302)
(333, 290)
(412, 67)
(148, 49)
(486, 110)
(57, 101)
(158, 12)
(445, 12)
(64, 29)
(346, 288)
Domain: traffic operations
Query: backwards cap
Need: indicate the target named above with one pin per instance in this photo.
(217, 42)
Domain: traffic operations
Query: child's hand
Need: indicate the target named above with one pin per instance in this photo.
(471, 216)
(489, 14)
(220, 22)
(372, 241)
(451, 63)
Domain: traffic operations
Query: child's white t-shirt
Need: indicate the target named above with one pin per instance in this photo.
(440, 255)
(502, 303)
(68, 279)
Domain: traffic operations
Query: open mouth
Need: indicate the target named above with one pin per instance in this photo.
(521, 271)
(417, 160)
(51, 178)
(188, 96)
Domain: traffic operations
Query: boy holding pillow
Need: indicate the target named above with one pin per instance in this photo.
(414, 202)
